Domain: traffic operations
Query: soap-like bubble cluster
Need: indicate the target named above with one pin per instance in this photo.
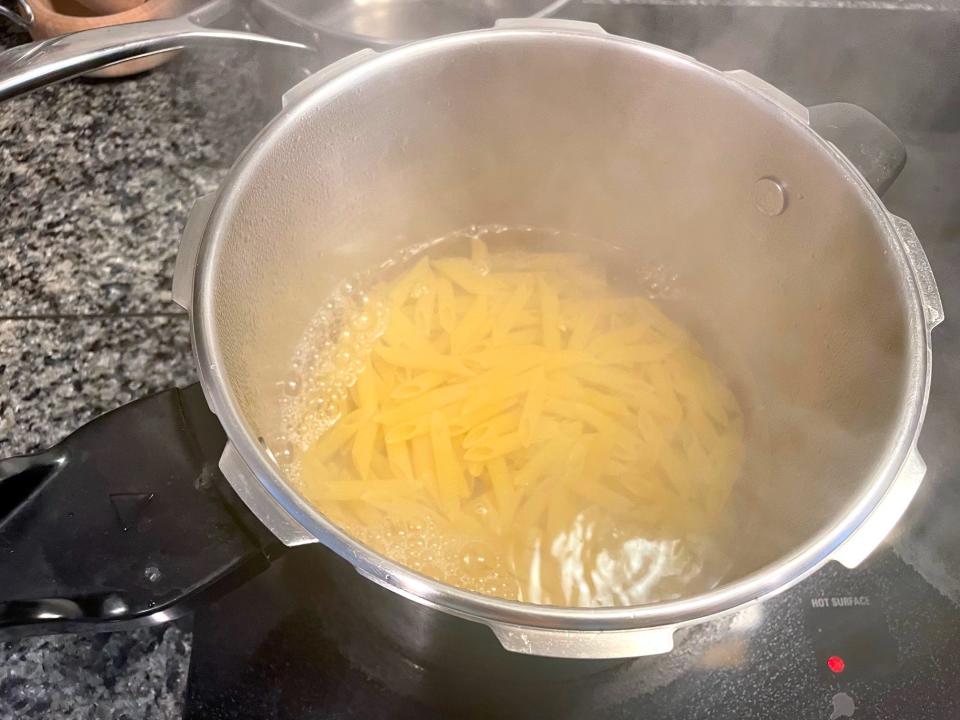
(333, 352)
(433, 551)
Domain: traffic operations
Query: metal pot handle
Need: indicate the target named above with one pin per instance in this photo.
(859, 135)
(585, 645)
(922, 272)
(874, 530)
(33, 65)
(872, 147)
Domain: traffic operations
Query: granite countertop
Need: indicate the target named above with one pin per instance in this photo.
(97, 180)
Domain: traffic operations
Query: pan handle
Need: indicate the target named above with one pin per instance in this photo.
(33, 65)
(877, 526)
(125, 523)
(872, 147)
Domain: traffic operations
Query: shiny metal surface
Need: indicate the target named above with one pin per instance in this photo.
(33, 65)
(401, 21)
(331, 28)
(820, 315)
(21, 15)
(338, 28)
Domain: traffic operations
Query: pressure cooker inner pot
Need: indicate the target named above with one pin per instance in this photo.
(798, 303)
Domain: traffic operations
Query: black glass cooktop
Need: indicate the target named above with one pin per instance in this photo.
(882, 641)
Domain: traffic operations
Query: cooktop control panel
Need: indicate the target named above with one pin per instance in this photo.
(850, 635)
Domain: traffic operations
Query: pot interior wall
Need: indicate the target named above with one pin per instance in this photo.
(614, 141)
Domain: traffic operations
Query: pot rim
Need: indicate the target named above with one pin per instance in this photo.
(767, 581)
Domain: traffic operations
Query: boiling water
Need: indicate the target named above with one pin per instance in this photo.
(515, 418)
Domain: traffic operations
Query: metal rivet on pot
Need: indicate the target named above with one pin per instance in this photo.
(152, 573)
(769, 196)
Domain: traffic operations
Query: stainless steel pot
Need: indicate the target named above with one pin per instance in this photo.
(326, 29)
(816, 301)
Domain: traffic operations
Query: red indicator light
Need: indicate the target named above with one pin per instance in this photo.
(836, 663)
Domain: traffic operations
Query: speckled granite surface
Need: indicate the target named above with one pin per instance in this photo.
(97, 179)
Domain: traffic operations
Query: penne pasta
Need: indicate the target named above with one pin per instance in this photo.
(420, 277)
(472, 329)
(549, 315)
(363, 446)
(417, 385)
(533, 409)
(513, 424)
(450, 479)
(398, 459)
(468, 276)
(510, 314)
(446, 305)
(423, 359)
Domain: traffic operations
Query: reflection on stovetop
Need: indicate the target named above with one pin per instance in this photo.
(877, 642)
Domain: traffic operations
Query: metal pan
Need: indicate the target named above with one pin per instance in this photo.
(328, 30)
